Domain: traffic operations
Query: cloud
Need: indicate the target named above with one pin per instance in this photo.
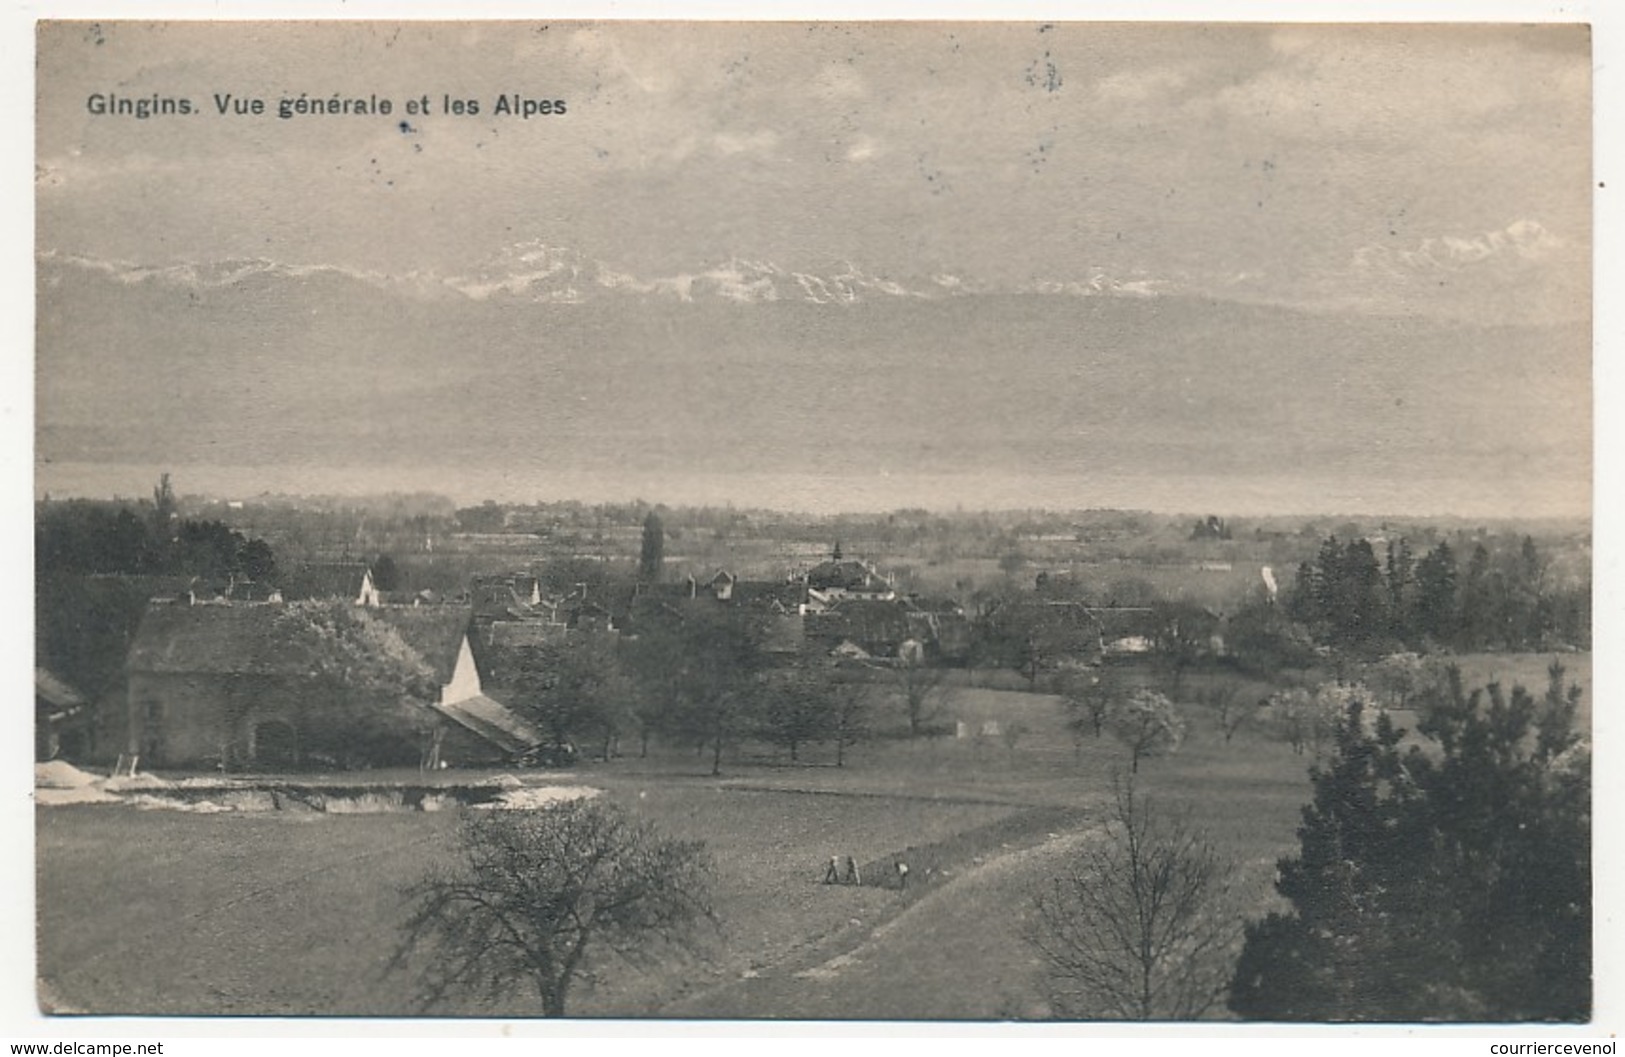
(1404, 87)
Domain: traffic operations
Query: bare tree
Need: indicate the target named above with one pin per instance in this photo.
(1228, 708)
(536, 896)
(1012, 732)
(1144, 925)
(1086, 698)
(851, 718)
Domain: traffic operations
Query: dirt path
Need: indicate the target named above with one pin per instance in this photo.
(954, 951)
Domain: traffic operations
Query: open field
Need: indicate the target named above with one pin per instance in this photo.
(286, 913)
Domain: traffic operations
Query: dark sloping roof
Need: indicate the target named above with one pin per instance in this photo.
(55, 691)
(220, 639)
(770, 594)
(435, 632)
(493, 721)
(323, 580)
(876, 626)
(261, 639)
(167, 588)
(850, 574)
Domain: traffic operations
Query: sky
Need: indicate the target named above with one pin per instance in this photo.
(1437, 176)
(1301, 164)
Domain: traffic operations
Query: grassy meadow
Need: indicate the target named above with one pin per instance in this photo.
(164, 912)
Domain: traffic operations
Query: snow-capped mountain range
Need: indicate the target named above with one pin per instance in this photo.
(540, 273)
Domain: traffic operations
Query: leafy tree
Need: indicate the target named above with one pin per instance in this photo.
(372, 687)
(542, 898)
(256, 561)
(923, 695)
(1307, 720)
(1267, 639)
(713, 672)
(572, 687)
(1148, 723)
(386, 573)
(654, 660)
(1143, 924)
(798, 706)
(1451, 881)
(653, 552)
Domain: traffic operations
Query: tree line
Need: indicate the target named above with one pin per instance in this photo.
(85, 536)
(706, 682)
(1501, 600)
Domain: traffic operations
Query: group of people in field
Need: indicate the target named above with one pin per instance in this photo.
(835, 874)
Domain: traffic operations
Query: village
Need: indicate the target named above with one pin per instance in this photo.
(842, 744)
(213, 679)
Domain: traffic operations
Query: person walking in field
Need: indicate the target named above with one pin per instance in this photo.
(833, 873)
(852, 877)
(902, 874)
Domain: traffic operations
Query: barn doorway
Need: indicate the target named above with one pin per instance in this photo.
(275, 746)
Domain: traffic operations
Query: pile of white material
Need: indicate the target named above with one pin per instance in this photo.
(531, 797)
(59, 782)
(60, 774)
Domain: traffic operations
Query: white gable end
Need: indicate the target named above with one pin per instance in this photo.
(465, 677)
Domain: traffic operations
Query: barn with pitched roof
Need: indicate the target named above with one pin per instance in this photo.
(239, 686)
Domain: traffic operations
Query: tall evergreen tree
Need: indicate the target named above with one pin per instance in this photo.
(653, 554)
(1362, 617)
(1399, 577)
(1436, 594)
(1480, 617)
(1451, 882)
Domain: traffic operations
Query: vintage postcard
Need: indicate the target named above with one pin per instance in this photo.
(1004, 520)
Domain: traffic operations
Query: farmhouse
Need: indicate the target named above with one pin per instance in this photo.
(830, 581)
(237, 686)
